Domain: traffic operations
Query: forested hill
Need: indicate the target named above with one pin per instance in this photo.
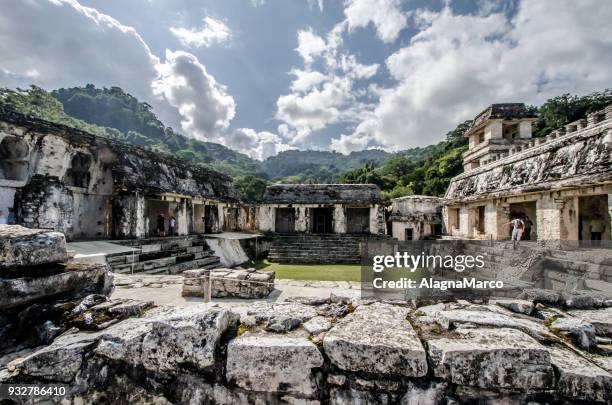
(111, 112)
(114, 108)
(295, 166)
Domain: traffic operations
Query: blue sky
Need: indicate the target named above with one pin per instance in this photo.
(262, 76)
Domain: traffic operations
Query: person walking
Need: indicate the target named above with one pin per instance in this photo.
(518, 225)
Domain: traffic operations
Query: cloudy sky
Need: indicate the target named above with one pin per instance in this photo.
(262, 76)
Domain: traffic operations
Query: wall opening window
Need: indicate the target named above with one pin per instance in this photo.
(14, 159)
(78, 174)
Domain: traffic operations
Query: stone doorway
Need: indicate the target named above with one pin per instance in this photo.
(322, 220)
(159, 214)
(528, 213)
(211, 219)
(285, 220)
(358, 220)
(594, 218)
(13, 159)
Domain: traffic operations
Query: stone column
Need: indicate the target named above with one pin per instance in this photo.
(339, 219)
(610, 215)
(557, 218)
(267, 218)
(525, 129)
(493, 130)
(182, 225)
(301, 219)
(221, 218)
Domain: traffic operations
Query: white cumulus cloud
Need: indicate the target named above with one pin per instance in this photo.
(204, 105)
(457, 64)
(212, 32)
(386, 16)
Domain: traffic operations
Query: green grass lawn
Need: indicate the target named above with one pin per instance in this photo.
(326, 272)
(320, 272)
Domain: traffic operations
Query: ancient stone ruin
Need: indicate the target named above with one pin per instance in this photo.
(560, 182)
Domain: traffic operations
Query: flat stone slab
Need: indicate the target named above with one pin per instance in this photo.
(515, 305)
(601, 319)
(20, 246)
(317, 325)
(189, 336)
(492, 358)
(579, 378)
(273, 363)
(74, 280)
(377, 339)
(281, 317)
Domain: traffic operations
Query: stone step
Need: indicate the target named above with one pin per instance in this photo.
(599, 256)
(317, 249)
(143, 258)
(603, 270)
(210, 262)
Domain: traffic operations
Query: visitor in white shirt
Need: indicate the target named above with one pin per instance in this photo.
(3, 218)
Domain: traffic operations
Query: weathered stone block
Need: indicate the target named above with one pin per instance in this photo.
(21, 246)
(376, 338)
(601, 319)
(273, 364)
(74, 280)
(492, 358)
(579, 378)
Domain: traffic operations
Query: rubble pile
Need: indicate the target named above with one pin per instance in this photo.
(240, 283)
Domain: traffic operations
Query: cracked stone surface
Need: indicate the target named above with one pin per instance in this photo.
(378, 339)
(20, 246)
(273, 363)
(492, 358)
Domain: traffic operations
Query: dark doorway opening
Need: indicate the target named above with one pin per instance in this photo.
(480, 225)
(409, 234)
(285, 220)
(594, 218)
(322, 220)
(438, 229)
(358, 220)
(211, 218)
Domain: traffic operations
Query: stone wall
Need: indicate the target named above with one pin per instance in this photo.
(90, 187)
(338, 350)
(419, 213)
(237, 283)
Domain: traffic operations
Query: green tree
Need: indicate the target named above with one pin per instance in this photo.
(250, 188)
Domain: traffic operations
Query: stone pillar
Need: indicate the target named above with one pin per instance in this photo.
(557, 218)
(221, 218)
(610, 214)
(141, 221)
(301, 219)
(466, 222)
(493, 130)
(339, 225)
(525, 129)
(267, 218)
(182, 221)
(377, 220)
(493, 214)
(503, 217)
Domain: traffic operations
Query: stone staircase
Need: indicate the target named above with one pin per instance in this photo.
(318, 248)
(169, 255)
(582, 269)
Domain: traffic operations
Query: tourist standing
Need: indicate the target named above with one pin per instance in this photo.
(161, 225)
(3, 218)
(172, 226)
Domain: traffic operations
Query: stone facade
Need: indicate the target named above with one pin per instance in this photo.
(88, 187)
(322, 208)
(416, 217)
(562, 183)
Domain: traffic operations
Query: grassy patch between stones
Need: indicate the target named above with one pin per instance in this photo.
(319, 272)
